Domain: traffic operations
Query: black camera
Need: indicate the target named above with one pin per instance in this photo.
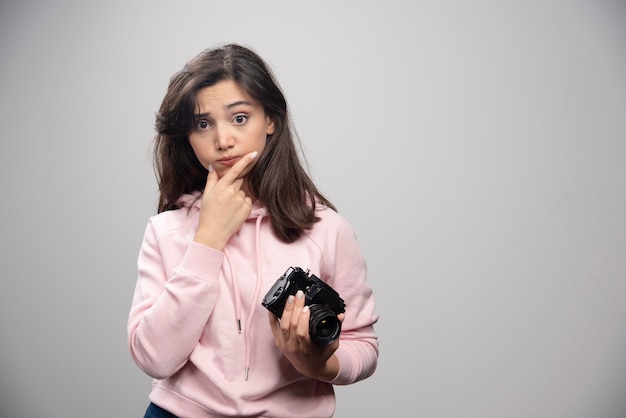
(323, 301)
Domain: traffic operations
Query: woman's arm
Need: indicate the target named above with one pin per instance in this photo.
(168, 314)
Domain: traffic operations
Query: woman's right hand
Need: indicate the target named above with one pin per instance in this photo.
(225, 205)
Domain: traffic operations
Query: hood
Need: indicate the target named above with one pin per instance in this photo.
(194, 200)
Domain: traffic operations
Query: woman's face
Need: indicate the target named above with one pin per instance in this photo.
(228, 125)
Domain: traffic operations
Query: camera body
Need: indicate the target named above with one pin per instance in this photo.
(323, 301)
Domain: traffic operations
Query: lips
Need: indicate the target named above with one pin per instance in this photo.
(228, 161)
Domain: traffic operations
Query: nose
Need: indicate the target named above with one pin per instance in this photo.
(224, 137)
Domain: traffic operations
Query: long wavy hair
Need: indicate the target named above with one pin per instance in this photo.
(278, 179)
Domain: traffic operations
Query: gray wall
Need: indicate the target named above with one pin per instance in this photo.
(478, 148)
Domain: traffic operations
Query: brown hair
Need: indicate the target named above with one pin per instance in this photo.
(278, 179)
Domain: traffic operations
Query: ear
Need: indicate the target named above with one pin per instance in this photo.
(271, 127)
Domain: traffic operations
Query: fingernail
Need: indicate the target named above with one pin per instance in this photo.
(306, 308)
(210, 168)
(299, 294)
(290, 300)
(253, 155)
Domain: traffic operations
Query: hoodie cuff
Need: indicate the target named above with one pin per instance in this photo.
(344, 375)
(202, 262)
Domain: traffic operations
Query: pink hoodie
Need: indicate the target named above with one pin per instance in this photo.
(197, 325)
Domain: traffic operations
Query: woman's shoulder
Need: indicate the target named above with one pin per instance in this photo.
(330, 221)
(174, 219)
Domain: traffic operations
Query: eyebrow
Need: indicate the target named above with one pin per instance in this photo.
(229, 106)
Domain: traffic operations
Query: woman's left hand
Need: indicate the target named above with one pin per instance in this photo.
(291, 335)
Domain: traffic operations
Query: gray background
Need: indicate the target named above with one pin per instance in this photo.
(478, 148)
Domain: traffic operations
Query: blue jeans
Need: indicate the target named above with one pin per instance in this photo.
(155, 411)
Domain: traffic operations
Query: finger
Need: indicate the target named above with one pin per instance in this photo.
(303, 324)
(297, 309)
(285, 318)
(236, 170)
(237, 184)
(211, 180)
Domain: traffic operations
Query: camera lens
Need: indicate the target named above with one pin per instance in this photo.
(324, 326)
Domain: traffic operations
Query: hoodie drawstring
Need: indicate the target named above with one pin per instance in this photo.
(236, 289)
(257, 291)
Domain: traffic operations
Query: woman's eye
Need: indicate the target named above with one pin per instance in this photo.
(239, 119)
(202, 124)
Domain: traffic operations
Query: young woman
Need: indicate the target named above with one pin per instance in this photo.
(236, 211)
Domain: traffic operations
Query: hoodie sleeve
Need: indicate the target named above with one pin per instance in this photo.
(168, 314)
(346, 271)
